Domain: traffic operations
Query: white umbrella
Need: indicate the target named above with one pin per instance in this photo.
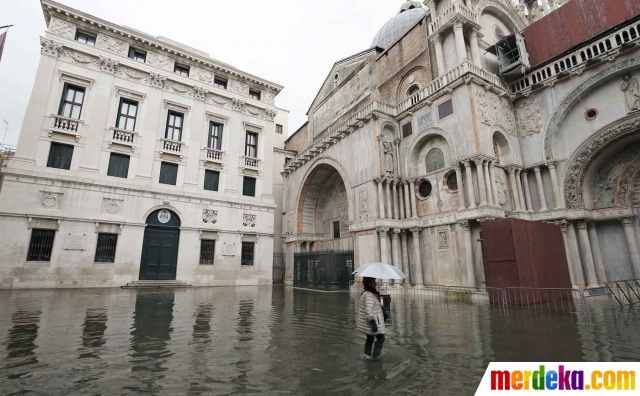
(379, 271)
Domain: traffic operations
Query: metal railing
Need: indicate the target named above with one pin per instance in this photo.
(625, 292)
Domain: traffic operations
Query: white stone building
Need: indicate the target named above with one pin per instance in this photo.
(140, 158)
(464, 111)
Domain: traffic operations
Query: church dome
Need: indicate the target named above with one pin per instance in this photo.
(410, 13)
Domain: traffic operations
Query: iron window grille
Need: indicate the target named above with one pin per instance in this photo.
(336, 229)
(127, 114)
(181, 70)
(85, 38)
(251, 145)
(41, 245)
(60, 156)
(279, 129)
(168, 173)
(220, 83)
(207, 252)
(215, 136)
(249, 186)
(247, 253)
(71, 102)
(174, 126)
(137, 55)
(118, 165)
(211, 180)
(254, 94)
(106, 248)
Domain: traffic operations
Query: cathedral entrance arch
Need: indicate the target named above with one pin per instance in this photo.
(160, 246)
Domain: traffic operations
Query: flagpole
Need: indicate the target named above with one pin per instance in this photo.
(7, 26)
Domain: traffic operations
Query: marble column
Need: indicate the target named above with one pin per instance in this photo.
(468, 253)
(400, 187)
(475, 47)
(514, 190)
(494, 186)
(396, 207)
(395, 249)
(405, 257)
(597, 253)
(461, 50)
(487, 182)
(523, 206)
(388, 196)
(554, 184)
(481, 183)
(380, 199)
(416, 273)
(471, 191)
(299, 246)
(407, 204)
(460, 186)
(543, 200)
(586, 254)
(396, 143)
(632, 241)
(382, 233)
(437, 43)
(412, 198)
(575, 269)
(527, 191)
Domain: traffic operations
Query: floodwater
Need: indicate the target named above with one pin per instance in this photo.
(277, 341)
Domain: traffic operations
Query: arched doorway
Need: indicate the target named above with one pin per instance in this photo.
(160, 247)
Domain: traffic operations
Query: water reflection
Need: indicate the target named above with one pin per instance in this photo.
(264, 340)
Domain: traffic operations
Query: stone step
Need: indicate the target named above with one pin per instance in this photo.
(156, 284)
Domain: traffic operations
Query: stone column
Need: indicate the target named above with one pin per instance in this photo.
(388, 193)
(475, 48)
(437, 42)
(472, 194)
(394, 193)
(395, 249)
(523, 206)
(299, 246)
(380, 199)
(396, 143)
(461, 50)
(460, 186)
(412, 198)
(494, 187)
(554, 183)
(587, 256)
(400, 187)
(575, 269)
(597, 253)
(416, 274)
(481, 183)
(634, 251)
(487, 182)
(382, 232)
(468, 253)
(527, 191)
(514, 189)
(405, 257)
(543, 200)
(407, 197)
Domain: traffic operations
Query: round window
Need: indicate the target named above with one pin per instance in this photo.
(452, 182)
(591, 114)
(425, 189)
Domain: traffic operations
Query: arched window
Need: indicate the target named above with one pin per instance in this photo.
(434, 160)
(413, 90)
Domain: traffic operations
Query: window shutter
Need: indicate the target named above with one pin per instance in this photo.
(118, 165)
(168, 173)
(249, 187)
(60, 156)
(211, 180)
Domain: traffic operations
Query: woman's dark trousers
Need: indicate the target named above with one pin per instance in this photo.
(378, 347)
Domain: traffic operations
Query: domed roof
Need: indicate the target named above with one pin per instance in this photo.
(410, 13)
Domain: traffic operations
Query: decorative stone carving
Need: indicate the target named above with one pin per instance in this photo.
(249, 220)
(112, 206)
(62, 28)
(389, 154)
(50, 48)
(529, 119)
(424, 122)
(465, 226)
(209, 216)
(77, 58)
(382, 230)
(156, 80)
(631, 91)
(237, 105)
(160, 61)
(503, 197)
(51, 200)
(130, 74)
(203, 75)
(443, 239)
(112, 44)
(199, 93)
(588, 151)
(179, 88)
(363, 202)
(495, 110)
(268, 97)
(107, 65)
(238, 87)
(218, 100)
(454, 202)
(270, 114)
(290, 223)
(342, 211)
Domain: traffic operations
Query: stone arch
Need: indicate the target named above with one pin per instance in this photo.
(502, 148)
(628, 184)
(589, 156)
(421, 138)
(158, 207)
(390, 129)
(572, 98)
(504, 13)
(417, 76)
(314, 180)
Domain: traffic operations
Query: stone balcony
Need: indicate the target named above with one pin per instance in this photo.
(250, 163)
(123, 138)
(66, 126)
(456, 12)
(172, 147)
(213, 156)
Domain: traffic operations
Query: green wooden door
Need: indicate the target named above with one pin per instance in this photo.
(159, 254)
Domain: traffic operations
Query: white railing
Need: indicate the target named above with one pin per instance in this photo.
(213, 155)
(66, 125)
(579, 58)
(251, 162)
(172, 146)
(448, 14)
(121, 136)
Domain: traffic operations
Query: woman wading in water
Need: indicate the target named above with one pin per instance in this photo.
(371, 319)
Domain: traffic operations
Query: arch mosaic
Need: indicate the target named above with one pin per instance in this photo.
(423, 137)
(587, 152)
(572, 98)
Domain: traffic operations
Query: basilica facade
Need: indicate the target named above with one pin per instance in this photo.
(466, 111)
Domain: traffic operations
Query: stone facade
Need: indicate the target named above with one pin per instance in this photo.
(82, 200)
(428, 150)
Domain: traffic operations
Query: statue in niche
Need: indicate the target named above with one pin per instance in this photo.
(497, 150)
(631, 92)
(388, 158)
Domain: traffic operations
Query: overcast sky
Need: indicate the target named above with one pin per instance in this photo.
(290, 42)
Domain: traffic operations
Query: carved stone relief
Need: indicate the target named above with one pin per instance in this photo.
(239, 87)
(203, 75)
(199, 93)
(157, 81)
(249, 220)
(112, 44)
(268, 97)
(529, 119)
(495, 110)
(388, 150)
(130, 74)
(51, 200)
(160, 61)
(290, 223)
(503, 197)
(112, 206)
(270, 114)
(209, 216)
(424, 122)
(49, 47)
(363, 202)
(107, 65)
(62, 28)
(237, 105)
(443, 239)
(631, 92)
